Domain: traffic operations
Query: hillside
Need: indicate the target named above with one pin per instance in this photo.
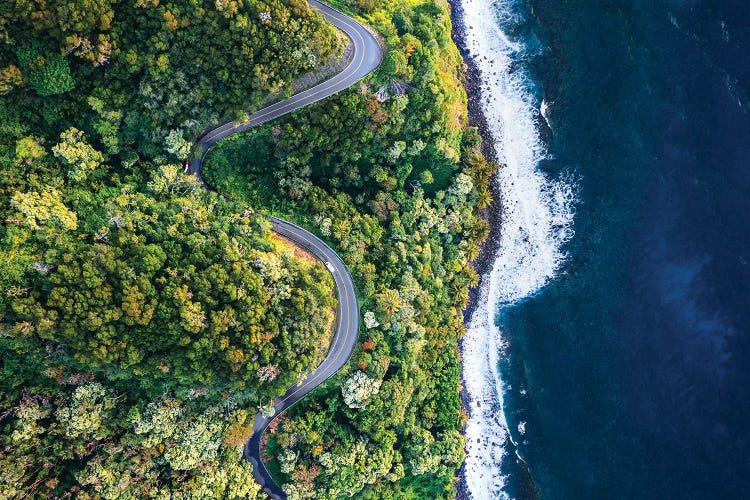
(389, 174)
(143, 319)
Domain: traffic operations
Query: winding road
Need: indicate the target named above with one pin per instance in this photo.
(367, 56)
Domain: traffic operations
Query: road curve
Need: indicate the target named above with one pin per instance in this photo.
(367, 56)
(342, 345)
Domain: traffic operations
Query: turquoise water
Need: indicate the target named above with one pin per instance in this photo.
(628, 369)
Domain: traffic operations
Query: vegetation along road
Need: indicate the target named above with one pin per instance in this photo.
(367, 56)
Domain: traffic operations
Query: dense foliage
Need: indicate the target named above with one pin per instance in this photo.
(390, 175)
(146, 75)
(178, 290)
(84, 439)
(143, 320)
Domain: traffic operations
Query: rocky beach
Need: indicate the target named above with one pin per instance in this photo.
(529, 220)
(492, 214)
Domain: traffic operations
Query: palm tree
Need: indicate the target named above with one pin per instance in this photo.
(389, 301)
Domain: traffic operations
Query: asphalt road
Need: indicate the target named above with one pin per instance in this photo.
(342, 345)
(367, 56)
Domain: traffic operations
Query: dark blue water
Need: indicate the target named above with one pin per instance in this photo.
(636, 359)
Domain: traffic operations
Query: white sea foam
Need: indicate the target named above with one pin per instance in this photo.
(536, 220)
(544, 111)
(522, 428)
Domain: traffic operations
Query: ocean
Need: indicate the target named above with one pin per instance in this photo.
(609, 352)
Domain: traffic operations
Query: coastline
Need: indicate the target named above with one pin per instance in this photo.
(492, 215)
(483, 263)
(489, 247)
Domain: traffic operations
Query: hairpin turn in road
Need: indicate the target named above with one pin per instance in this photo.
(367, 56)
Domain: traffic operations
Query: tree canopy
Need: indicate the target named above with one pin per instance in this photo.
(392, 179)
(143, 320)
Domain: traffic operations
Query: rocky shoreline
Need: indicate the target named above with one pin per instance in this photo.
(525, 488)
(483, 263)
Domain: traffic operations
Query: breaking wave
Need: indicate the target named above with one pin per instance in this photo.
(536, 220)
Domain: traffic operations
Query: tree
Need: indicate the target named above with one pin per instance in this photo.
(52, 77)
(176, 144)
(287, 460)
(29, 148)
(77, 154)
(87, 411)
(238, 433)
(358, 388)
(426, 177)
(370, 321)
(389, 301)
(44, 208)
(195, 441)
(68, 15)
(10, 78)
(395, 64)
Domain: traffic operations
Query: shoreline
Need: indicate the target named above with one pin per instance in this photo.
(493, 216)
(489, 247)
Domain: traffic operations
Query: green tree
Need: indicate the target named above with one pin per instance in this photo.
(44, 208)
(29, 148)
(52, 77)
(389, 301)
(87, 412)
(81, 158)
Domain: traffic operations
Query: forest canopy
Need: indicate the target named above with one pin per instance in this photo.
(390, 175)
(144, 320)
